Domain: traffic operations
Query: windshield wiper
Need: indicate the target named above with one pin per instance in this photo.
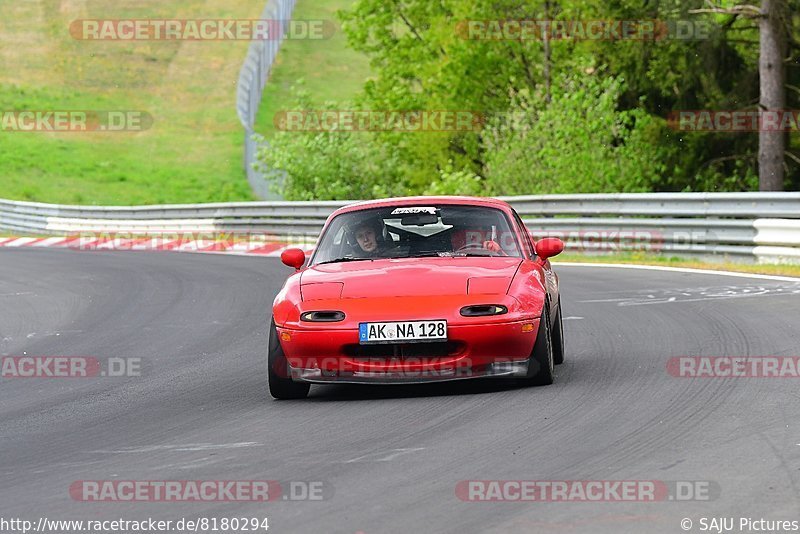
(487, 254)
(341, 260)
(418, 255)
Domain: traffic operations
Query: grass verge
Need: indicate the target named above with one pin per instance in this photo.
(671, 261)
(330, 70)
(192, 152)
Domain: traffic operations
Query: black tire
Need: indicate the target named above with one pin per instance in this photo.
(558, 337)
(540, 363)
(281, 386)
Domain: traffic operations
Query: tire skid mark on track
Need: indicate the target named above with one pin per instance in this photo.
(681, 415)
(613, 412)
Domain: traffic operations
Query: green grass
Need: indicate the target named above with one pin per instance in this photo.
(330, 70)
(193, 151)
(640, 258)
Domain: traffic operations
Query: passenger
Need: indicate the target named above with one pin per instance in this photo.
(477, 237)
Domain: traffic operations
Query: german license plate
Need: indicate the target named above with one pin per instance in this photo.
(402, 331)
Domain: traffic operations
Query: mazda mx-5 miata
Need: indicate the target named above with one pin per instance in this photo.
(418, 289)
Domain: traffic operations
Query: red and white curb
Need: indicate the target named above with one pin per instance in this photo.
(258, 248)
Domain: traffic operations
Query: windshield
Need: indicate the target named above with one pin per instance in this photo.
(417, 231)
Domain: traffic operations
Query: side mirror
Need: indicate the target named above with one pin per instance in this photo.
(293, 257)
(549, 247)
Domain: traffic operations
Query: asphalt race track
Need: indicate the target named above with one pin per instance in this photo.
(390, 458)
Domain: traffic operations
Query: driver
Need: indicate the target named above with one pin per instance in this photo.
(369, 237)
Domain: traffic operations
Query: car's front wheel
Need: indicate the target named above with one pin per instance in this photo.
(281, 386)
(540, 364)
(558, 337)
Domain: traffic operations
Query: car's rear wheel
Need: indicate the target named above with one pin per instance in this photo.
(281, 386)
(540, 363)
(558, 337)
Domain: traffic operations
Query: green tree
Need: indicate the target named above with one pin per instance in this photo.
(566, 115)
(578, 143)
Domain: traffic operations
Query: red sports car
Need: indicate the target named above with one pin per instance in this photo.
(417, 289)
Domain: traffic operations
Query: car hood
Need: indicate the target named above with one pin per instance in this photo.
(409, 277)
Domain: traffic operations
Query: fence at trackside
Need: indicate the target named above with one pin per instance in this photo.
(252, 78)
(745, 227)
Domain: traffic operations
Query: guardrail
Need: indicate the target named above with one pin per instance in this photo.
(252, 78)
(740, 226)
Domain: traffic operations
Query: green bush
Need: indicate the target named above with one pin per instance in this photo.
(579, 142)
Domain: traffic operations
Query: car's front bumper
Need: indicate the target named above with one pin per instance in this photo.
(509, 369)
(472, 351)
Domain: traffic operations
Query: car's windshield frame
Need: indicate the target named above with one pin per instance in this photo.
(519, 249)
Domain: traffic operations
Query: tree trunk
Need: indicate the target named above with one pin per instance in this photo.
(547, 54)
(772, 76)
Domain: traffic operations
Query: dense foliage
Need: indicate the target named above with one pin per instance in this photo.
(562, 115)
